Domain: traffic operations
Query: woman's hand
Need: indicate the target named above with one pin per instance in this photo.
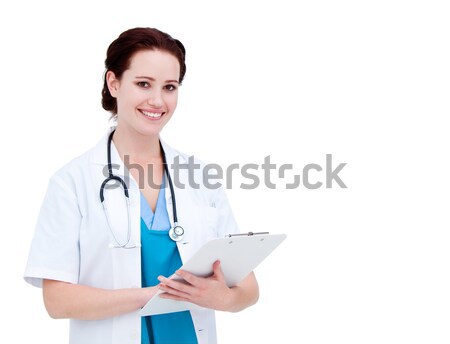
(210, 292)
(65, 300)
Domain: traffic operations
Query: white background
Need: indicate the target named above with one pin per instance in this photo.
(366, 81)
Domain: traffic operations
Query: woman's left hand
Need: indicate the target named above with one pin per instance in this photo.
(210, 292)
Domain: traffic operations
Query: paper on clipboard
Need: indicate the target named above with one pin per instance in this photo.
(238, 255)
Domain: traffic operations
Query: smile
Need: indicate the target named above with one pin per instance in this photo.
(152, 115)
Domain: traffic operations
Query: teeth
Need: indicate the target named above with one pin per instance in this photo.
(152, 114)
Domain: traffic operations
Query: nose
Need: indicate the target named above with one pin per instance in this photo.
(155, 99)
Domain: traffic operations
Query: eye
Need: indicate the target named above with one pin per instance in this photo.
(171, 87)
(143, 84)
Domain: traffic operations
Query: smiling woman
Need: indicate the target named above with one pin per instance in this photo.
(100, 259)
(145, 103)
(129, 43)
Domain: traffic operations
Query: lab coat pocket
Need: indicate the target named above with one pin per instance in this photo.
(202, 336)
(208, 218)
(200, 224)
(205, 327)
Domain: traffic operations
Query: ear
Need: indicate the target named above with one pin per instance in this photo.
(113, 83)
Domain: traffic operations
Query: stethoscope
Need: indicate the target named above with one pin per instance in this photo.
(176, 233)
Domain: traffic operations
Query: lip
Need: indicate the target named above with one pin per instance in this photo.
(152, 110)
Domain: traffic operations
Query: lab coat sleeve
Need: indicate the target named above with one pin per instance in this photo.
(54, 252)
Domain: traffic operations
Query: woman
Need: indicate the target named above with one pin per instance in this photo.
(100, 259)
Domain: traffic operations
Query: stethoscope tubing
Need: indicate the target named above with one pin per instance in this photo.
(176, 232)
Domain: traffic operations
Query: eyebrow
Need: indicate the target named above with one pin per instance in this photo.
(152, 79)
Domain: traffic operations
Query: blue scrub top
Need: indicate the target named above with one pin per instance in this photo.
(160, 256)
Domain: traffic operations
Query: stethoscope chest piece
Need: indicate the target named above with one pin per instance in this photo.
(176, 233)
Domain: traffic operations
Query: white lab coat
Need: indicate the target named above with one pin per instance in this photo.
(72, 241)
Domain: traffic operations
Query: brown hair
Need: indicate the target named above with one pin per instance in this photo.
(120, 52)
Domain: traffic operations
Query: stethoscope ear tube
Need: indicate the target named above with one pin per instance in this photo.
(111, 175)
(107, 180)
(177, 232)
(169, 179)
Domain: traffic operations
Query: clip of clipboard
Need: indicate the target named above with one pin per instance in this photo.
(239, 254)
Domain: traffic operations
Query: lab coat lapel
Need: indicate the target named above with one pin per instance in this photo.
(100, 157)
(115, 200)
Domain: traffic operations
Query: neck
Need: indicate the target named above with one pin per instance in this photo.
(139, 148)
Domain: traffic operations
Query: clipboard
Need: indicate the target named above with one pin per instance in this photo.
(239, 255)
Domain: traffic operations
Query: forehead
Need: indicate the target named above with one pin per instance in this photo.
(154, 63)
